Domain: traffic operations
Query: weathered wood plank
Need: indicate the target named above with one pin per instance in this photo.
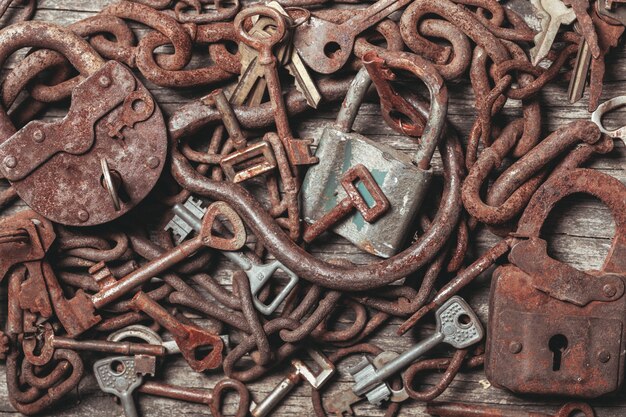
(579, 233)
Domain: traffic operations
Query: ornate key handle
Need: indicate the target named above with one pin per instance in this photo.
(56, 167)
(265, 45)
(606, 107)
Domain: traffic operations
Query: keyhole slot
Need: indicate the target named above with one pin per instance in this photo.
(331, 49)
(557, 345)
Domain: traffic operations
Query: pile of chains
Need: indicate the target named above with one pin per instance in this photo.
(118, 261)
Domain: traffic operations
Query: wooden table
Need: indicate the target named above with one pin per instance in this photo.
(579, 233)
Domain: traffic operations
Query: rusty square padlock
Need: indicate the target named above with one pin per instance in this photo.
(552, 328)
(404, 180)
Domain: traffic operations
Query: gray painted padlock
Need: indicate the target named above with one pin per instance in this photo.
(403, 180)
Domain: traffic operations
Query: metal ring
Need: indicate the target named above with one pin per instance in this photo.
(300, 21)
(108, 183)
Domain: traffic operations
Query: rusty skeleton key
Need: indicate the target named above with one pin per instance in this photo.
(298, 149)
(78, 314)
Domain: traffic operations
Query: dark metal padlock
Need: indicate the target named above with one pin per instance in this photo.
(552, 328)
(402, 179)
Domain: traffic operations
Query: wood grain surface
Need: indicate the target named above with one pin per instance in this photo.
(579, 233)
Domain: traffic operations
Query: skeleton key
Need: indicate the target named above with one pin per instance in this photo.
(258, 273)
(117, 376)
(300, 371)
(189, 338)
(355, 200)
(326, 46)
(79, 314)
(553, 14)
(298, 150)
(457, 325)
(51, 342)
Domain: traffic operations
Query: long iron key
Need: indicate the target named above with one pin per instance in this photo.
(326, 46)
(457, 325)
(583, 16)
(553, 14)
(188, 216)
(117, 376)
(298, 150)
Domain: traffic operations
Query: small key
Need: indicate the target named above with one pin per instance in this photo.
(477, 410)
(117, 376)
(354, 200)
(579, 73)
(258, 273)
(189, 338)
(252, 85)
(553, 14)
(300, 371)
(457, 325)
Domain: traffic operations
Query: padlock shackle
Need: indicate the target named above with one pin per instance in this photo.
(352, 102)
(381, 65)
(49, 36)
(606, 188)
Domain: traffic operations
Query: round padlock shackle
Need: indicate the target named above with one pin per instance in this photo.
(423, 70)
(606, 188)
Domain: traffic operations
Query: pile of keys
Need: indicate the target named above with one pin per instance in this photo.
(210, 231)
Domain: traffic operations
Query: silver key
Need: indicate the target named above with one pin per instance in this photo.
(117, 376)
(606, 107)
(457, 325)
(580, 72)
(553, 14)
(258, 273)
(341, 403)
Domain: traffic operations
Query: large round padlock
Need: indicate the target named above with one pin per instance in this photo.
(554, 329)
(103, 157)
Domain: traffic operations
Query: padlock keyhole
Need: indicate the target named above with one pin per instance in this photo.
(557, 345)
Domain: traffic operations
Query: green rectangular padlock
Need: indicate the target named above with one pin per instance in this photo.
(398, 175)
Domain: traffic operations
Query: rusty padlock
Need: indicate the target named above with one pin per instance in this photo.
(552, 328)
(404, 180)
(103, 157)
